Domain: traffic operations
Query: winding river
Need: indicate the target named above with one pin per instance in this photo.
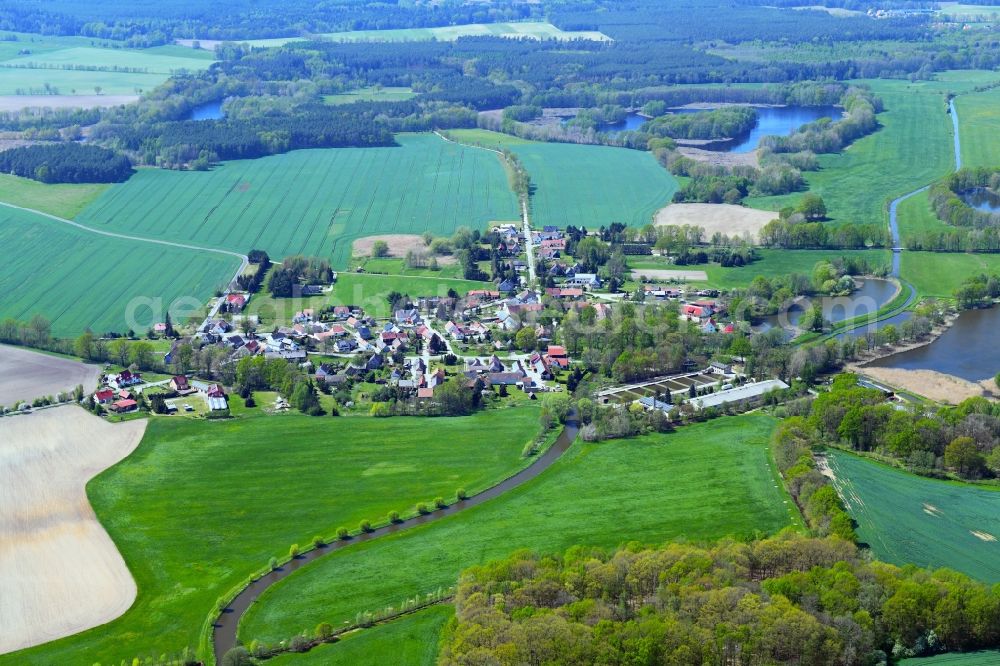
(226, 626)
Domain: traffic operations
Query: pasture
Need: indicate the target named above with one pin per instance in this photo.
(200, 506)
(703, 482)
(62, 573)
(585, 185)
(410, 640)
(313, 202)
(74, 66)
(910, 519)
(28, 374)
(912, 148)
(80, 280)
(371, 94)
(979, 128)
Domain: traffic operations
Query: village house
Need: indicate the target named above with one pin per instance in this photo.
(304, 316)
(235, 302)
(124, 378)
(586, 280)
(104, 397)
(123, 406)
(179, 383)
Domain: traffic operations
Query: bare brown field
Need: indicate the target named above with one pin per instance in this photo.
(399, 245)
(934, 385)
(669, 274)
(18, 102)
(719, 158)
(26, 375)
(60, 573)
(723, 218)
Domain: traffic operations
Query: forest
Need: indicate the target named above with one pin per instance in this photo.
(66, 163)
(784, 600)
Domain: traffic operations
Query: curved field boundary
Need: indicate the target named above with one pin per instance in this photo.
(244, 261)
(226, 624)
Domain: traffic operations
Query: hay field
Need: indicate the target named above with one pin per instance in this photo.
(716, 218)
(26, 374)
(911, 519)
(314, 202)
(60, 573)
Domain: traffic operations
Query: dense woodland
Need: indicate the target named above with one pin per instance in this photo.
(66, 163)
(785, 600)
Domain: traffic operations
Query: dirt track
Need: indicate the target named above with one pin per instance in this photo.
(60, 573)
(26, 375)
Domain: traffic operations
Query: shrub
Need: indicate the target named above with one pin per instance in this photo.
(439, 502)
(394, 517)
(298, 644)
(324, 630)
(238, 656)
(365, 526)
(273, 563)
(342, 533)
(293, 551)
(318, 541)
(461, 494)
(422, 508)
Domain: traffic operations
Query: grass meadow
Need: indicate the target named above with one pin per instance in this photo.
(81, 280)
(60, 199)
(314, 202)
(703, 482)
(983, 658)
(913, 148)
(910, 519)
(371, 94)
(585, 185)
(979, 128)
(200, 506)
(411, 640)
(938, 274)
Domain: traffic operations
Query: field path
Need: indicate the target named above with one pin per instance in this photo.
(244, 261)
(226, 625)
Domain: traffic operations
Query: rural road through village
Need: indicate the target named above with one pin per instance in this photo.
(225, 628)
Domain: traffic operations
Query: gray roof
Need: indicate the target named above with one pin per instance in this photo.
(738, 394)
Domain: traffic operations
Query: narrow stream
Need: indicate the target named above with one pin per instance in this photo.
(225, 628)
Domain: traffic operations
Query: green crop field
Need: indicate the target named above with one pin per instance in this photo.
(199, 506)
(938, 274)
(979, 127)
(702, 482)
(150, 62)
(410, 640)
(911, 519)
(314, 202)
(984, 658)
(371, 94)
(913, 148)
(532, 30)
(586, 185)
(81, 280)
(62, 200)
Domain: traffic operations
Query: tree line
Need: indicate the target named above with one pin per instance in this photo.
(66, 163)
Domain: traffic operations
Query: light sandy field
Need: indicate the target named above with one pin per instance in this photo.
(934, 385)
(723, 218)
(669, 274)
(18, 102)
(26, 375)
(720, 158)
(60, 573)
(399, 245)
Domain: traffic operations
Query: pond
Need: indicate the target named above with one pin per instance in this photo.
(864, 301)
(633, 121)
(207, 111)
(968, 349)
(982, 199)
(778, 121)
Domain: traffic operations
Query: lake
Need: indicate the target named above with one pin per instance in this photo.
(778, 121)
(207, 111)
(982, 199)
(968, 349)
(633, 121)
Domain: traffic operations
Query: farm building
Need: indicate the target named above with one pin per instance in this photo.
(217, 403)
(123, 406)
(748, 393)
